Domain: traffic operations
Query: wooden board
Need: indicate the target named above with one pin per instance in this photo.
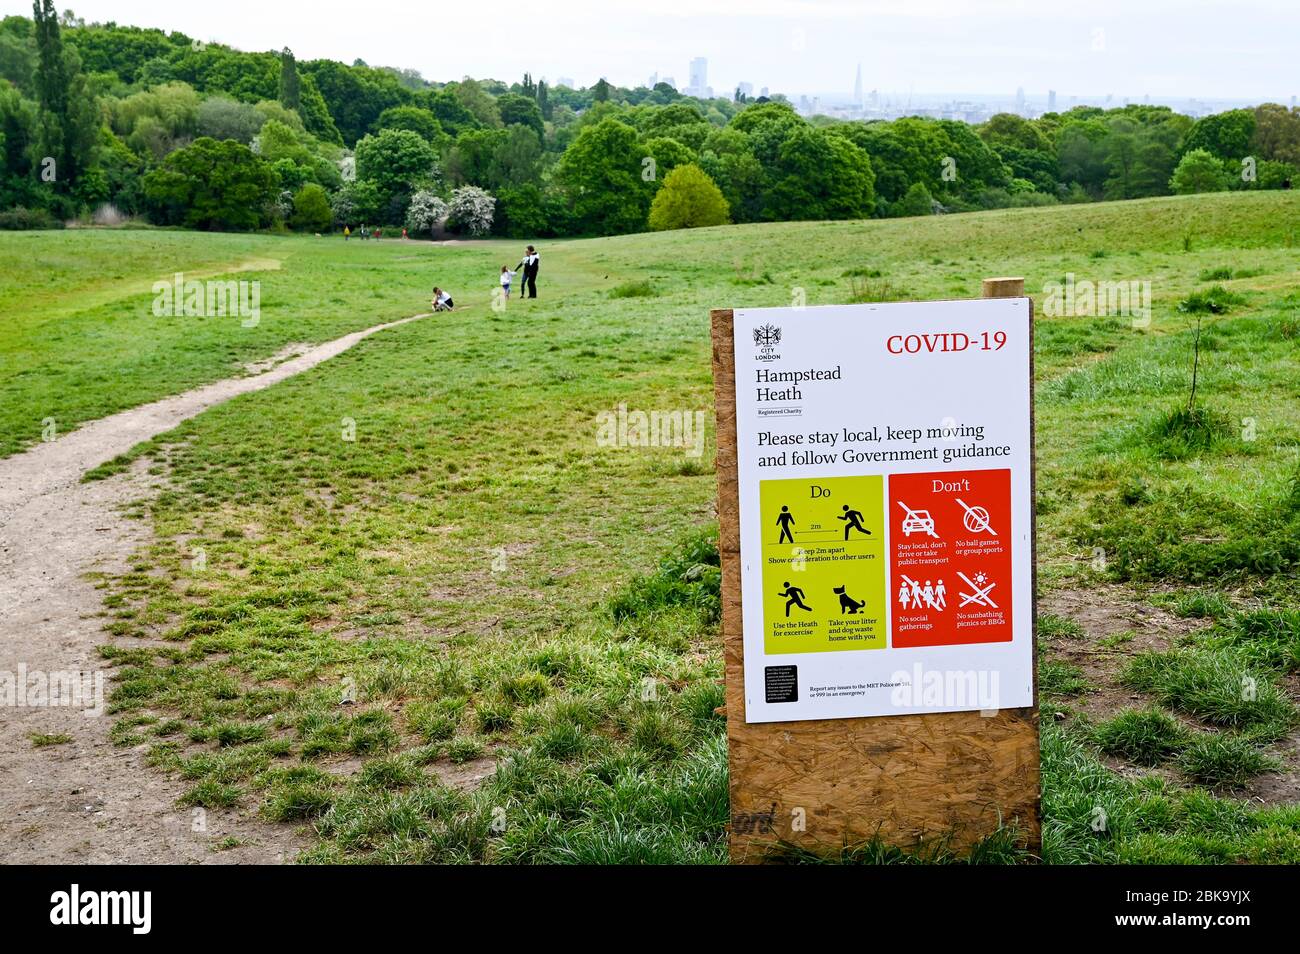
(909, 779)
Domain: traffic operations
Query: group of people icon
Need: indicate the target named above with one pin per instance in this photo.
(912, 593)
(852, 521)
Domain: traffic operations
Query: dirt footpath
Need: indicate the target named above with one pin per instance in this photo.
(86, 801)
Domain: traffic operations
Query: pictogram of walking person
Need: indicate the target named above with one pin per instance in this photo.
(794, 597)
(852, 521)
(785, 521)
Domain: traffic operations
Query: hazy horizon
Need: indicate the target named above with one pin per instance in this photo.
(925, 48)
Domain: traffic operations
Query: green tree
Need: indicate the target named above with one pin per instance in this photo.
(212, 185)
(688, 199)
(519, 110)
(277, 141)
(18, 185)
(1081, 155)
(353, 95)
(397, 161)
(1277, 133)
(668, 154)
(17, 62)
(311, 209)
(602, 173)
(470, 160)
(726, 157)
(819, 175)
(477, 101)
(454, 117)
(901, 152)
(355, 203)
(68, 119)
(1008, 129)
(290, 86)
(1199, 171)
(917, 201)
(516, 158)
(175, 105)
(543, 100)
(1225, 135)
(223, 118)
(420, 121)
(521, 212)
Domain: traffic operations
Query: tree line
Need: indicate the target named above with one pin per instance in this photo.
(116, 122)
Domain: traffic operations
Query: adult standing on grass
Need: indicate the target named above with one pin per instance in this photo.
(530, 264)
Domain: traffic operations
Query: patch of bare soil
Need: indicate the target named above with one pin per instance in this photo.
(292, 350)
(85, 800)
(466, 776)
(1108, 612)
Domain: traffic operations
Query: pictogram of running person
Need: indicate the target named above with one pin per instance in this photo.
(794, 597)
(852, 521)
(785, 520)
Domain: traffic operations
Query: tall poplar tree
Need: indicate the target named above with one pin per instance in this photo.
(68, 120)
(290, 85)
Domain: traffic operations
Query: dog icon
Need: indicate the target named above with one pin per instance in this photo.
(847, 603)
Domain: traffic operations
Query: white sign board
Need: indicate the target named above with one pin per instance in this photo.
(884, 459)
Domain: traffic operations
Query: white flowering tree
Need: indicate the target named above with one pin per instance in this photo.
(471, 209)
(425, 213)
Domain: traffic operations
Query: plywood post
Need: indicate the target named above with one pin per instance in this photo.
(824, 784)
(1003, 287)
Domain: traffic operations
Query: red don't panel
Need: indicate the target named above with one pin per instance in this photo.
(950, 557)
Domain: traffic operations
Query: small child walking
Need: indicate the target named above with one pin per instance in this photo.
(506, 277)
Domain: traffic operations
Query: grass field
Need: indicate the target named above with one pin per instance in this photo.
(427, 526)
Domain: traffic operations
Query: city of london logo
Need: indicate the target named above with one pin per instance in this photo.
(766, 338)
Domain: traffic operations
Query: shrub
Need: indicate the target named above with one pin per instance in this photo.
(1199, 171)
(22, 219)
(311, 209)
(425, 213)
(471, 210)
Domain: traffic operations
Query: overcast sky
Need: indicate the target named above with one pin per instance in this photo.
(1245, 49)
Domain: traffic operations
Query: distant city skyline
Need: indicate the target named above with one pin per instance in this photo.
(1215, 52)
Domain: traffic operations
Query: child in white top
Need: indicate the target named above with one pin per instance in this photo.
(506, 276)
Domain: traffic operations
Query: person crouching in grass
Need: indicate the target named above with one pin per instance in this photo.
(441, 300)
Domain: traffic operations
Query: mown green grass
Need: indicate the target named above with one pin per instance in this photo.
(472, 576)
(81, 340)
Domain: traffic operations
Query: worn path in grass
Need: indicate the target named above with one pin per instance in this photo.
(85, 800)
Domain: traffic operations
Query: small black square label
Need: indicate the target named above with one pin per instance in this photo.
(781, 683)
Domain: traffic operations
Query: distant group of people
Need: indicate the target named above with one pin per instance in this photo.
(528, 266)
(365, 233)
